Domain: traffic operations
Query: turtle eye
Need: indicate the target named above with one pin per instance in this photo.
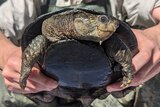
(103, 18)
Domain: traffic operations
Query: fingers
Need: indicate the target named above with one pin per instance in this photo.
(13, 86)
(114, 87)
(148, 70)
(146, 73)
(141, 59)
(154, 71)
(146, 62)
(38, 77)
(36, 82)
(140, 78)
(146, 49)
(143, 63)
(31, 87)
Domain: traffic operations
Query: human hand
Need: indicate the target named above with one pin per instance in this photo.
(36, 82)
(147, 60)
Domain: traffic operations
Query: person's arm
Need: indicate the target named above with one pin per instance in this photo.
(6, 49)
(147, 60)
(10, 63)
(17, 17)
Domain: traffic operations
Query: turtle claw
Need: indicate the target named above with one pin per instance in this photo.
(124, 85)
(22, 83)
(126, 82)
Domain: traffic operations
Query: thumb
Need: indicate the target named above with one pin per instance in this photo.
(114, 87)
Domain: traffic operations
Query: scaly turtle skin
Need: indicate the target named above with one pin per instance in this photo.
(83, 50)
(72, 24)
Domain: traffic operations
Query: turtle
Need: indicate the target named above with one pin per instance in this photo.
(83, 50)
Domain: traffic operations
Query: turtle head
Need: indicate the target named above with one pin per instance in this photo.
(106, 26)
(96, 27)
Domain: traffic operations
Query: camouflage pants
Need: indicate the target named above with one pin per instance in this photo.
(146, 96)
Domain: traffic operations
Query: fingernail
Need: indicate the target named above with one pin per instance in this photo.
(109, 89)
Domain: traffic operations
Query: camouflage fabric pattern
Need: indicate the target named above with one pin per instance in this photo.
(9, 99)
(143, 96)
(148, 95)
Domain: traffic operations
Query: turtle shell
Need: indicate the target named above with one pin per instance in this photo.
(76, 63)
(73, 64)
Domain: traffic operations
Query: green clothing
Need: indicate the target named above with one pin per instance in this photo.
(2, 1)
(9, 99)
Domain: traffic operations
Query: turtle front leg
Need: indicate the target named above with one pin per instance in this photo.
(123, 57)
(118, 50)
(30, 57)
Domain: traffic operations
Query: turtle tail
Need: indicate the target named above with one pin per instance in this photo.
(30, 57)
